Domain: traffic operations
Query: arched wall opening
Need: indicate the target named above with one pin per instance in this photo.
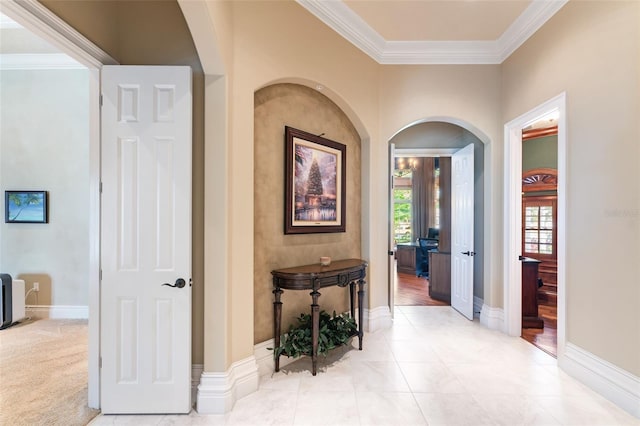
(448, 133)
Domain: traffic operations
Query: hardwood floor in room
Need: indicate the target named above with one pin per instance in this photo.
(413, 291)
(545, 339)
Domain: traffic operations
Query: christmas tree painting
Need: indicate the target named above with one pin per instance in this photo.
(314, 183)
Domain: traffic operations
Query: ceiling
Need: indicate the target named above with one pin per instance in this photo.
(435, 31)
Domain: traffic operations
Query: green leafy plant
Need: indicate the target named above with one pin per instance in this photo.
(334, 331)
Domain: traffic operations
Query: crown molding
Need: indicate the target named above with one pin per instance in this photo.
(530, 21)
(38, 61)
(349, 25)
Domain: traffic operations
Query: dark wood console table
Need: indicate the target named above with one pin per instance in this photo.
(314, 277)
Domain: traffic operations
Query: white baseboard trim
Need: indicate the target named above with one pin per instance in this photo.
(218, 392)
(610, 381)
(264, 358)
(57, 311)
(378, 318)
(492, 318)
(196, 372)
(477, 306)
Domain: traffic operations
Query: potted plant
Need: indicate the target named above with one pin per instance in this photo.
(335, 331)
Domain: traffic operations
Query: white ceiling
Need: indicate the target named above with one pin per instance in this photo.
(435, 31)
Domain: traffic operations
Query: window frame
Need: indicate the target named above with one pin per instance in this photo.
(541, 201)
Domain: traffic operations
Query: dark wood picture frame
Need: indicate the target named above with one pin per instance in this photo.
(26, 207)
(315, 184)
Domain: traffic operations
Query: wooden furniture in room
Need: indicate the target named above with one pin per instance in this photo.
(440, 276)
(406, 256)
(539, 187)
(314, 277)
(530, 318)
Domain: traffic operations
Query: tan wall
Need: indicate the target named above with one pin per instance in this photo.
(305, 109)
(591, 50)
(281, 42)
(468, 96)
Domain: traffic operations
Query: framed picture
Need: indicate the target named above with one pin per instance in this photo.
(26, 207)
(315, 184)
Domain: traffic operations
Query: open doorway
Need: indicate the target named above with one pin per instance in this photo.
(42, 23)
(516, 242)
(421, 198)
(539, 232)
(433, 143)
(47, 145)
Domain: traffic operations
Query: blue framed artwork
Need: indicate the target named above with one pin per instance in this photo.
(26, 207)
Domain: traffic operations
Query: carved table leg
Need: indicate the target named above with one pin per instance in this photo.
(361, 284)
(315, 330)
(352, 298)
(277, 318)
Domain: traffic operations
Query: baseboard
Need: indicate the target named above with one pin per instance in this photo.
(477, 306)
(617, 385)
(264, 358)
(492, 318)
(376, 319)
(196, 372)
(218, 392)
(57, 311)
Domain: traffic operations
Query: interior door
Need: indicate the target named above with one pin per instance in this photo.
(462, 231)
(145, 327)
(391, 251)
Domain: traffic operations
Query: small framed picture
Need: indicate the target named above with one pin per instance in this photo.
(26, 207)
(315, 184)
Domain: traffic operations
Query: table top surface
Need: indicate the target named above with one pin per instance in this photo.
(317, 268)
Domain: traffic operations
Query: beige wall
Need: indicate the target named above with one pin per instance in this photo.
(278, 42)
(44, 145)
(467, 96)
(591, 50)
(305, 109)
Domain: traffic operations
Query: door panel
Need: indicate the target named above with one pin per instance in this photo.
(146, 240)
(391, 265)
(462, 252)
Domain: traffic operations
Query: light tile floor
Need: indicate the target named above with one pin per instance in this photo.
(432, 367)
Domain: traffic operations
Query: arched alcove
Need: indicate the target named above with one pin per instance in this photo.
(308, 109)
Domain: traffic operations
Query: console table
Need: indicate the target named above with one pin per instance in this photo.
(314, 277)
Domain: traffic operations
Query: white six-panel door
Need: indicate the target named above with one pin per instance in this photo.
(145, 326)
(462, 231)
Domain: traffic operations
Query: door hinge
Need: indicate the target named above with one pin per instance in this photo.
(100, 362)
(101, 187)
(100, 274)
(100, 100)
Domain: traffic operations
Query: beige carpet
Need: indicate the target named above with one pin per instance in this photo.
(43, 373)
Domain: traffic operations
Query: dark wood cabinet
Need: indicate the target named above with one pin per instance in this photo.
(406, 258)
(440, 276)
(530, 318)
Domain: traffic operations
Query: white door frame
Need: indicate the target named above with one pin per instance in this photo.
(512, 247)
(38, 19)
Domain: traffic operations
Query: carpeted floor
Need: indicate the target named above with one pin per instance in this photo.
(43, 373)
